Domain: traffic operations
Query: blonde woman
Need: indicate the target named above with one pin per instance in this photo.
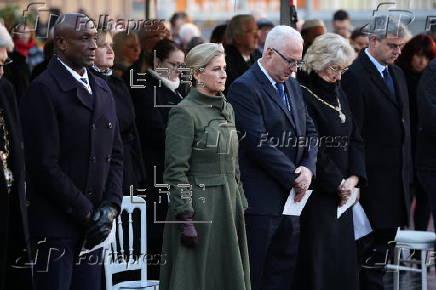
(204, 238)
(126, 49)
(327, 253)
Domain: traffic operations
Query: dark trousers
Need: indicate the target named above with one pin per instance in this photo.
(59, 267)
(375, 251)
(273, 248)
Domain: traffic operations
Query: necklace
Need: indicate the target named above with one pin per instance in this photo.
(337, 108)
(4, 153)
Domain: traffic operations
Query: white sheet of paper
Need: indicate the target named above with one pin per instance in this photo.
(108, 240)
(362, 227)
(295, 208)
(350, 201)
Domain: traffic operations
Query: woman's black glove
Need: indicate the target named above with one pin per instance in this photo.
(189, 235)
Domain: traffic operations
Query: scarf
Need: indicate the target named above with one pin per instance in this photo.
(23, 47)
(172, 85)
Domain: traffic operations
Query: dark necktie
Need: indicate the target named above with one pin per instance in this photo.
(284, 98)
(84, 80)
(388, 80)
(281, 88)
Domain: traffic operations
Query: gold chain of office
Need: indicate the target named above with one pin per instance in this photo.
(337, 108)
(4, 153)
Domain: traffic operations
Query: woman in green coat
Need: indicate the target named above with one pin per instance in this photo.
(205, 246)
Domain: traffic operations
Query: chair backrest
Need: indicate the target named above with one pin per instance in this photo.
(116, 258)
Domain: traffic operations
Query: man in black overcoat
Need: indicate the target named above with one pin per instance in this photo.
(74, 160)
(379, 102)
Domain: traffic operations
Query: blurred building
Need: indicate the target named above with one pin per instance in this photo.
(209, 13)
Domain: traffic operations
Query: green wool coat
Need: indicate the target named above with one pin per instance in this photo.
(202, 151)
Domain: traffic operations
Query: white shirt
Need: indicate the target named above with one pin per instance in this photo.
(79, 77)
(378, 65)
(273, 82)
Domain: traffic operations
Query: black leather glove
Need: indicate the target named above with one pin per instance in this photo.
(189, 235)
(100, 224)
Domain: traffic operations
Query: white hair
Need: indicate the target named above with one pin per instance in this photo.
(327, 49)
(280, 35)
(188, 31)
(5, 38)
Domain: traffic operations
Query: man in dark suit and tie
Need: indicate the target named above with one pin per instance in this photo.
(380, 105)
(74, 160)
(275, 155)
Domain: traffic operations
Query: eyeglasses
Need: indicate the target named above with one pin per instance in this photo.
(341, 71)
(290, 61)
(394, 45)
(6, 62)
(175, 65)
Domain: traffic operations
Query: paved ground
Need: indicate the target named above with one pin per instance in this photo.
(411, 281)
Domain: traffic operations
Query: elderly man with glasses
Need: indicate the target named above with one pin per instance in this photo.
(271, 116)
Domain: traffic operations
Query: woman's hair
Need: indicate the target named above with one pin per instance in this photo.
(328, 49)
(120, 40)
(163, 50)
(420, 44)
(202, 54)
(102, 36)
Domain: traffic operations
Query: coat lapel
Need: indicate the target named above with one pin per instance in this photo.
(292, 94)
(272, 93)
(67, 82)
(100, 94)
(378, 80)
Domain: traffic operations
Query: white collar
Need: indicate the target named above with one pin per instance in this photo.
(172, 85)
(79, 77)
(378, 65)
(273, 82)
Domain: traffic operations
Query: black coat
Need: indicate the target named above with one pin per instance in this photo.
(425, 158)
(269, 150)
(235, 64)
(152, 121)
(383, 120)
(73, 151)
(18, 74)
(14, 230)
(326, 240)
(134, 171)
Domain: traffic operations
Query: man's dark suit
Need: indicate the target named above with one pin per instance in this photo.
(268, 158)
(383, 119)
(74, 161)
(15, 272)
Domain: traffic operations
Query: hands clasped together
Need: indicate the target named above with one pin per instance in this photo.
(98, 224)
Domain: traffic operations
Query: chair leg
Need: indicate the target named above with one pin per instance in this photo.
(423, 269)
(396, 261)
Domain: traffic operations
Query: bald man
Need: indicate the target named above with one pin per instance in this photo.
(74, 160)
